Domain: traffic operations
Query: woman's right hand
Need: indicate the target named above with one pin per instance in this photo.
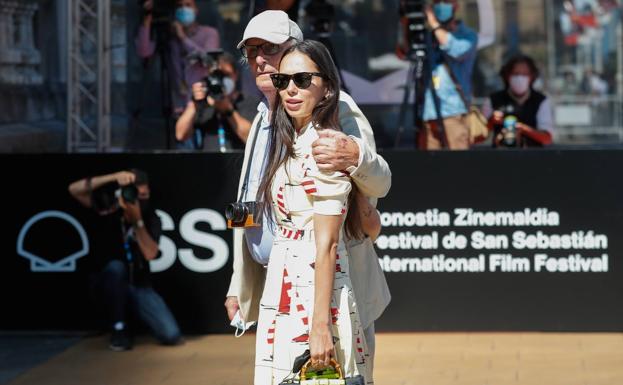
(321, 346)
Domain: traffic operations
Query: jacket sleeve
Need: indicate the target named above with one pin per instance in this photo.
(461, 47)
(234, 283)
(145, 47)
(372, 174)
(208, 40)
(238, 236)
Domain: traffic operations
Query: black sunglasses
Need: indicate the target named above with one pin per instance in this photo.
(251, 51)
(301, 79)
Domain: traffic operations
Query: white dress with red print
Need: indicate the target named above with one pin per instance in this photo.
(299, 191)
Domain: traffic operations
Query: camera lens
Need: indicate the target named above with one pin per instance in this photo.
(510, 127)
(236, 212)
(129, 193)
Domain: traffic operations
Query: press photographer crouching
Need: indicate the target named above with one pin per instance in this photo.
(219, 116)
(122, 199)
(519, 116)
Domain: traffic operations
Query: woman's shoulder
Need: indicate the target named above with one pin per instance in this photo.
(303, 142)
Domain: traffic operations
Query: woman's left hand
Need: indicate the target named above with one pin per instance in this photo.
(321, 346)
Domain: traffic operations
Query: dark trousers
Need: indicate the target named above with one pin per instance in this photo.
(118, 296)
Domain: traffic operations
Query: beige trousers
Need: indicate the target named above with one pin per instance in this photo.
(456, 130)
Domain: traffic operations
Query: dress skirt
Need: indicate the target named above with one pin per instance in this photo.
(287, 307)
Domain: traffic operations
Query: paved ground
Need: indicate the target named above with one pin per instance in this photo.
(20, 352)
(413, 358)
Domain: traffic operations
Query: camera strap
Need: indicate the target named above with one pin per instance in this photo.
(457, 85)
(245, 184)
(436, 100)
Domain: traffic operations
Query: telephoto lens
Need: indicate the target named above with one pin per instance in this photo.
(129, 193)
(510, 133)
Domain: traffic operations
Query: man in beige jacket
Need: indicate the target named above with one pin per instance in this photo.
(265, 39)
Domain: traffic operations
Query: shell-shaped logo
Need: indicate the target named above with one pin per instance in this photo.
(39, 263)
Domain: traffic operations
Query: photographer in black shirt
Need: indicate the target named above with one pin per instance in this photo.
(519, 116)
(220, 105)
(124, 283)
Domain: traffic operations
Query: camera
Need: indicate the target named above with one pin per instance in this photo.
(208, 59)
(162, 11)
(321, 15)
(242, 214)
(128, 193)
(509, 127)
(509, 137)
(106, 198)
(414, 13)
(217, 84)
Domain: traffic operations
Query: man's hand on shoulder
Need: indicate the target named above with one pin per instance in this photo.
(335, 151)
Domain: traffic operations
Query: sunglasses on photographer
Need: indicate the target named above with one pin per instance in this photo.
(301, 79)
(251, 51)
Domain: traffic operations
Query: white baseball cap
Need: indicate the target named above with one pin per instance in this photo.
(273, 26)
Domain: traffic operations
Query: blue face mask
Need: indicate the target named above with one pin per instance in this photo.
(185, 15)
(443, 12)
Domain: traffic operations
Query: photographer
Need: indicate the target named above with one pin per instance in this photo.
(453, 56)
(519, 116)
(122, 201)
(220, 105)
(182, 37)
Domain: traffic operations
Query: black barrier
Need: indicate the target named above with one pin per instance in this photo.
(485, 240)
(43, 287)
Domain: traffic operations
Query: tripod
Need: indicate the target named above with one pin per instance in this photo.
(160, 27)
(420, 74)
(415, 78)
(163, 30)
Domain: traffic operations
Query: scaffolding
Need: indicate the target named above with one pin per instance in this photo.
(89, 76)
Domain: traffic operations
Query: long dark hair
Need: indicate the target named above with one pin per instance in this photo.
(324, 115)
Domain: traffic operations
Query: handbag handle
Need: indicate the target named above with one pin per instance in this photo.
(333, 364)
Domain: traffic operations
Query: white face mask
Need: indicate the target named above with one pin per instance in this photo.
(228, 85)
(519, 84)
(240, 325)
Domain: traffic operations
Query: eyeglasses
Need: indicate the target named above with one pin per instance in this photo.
(251, 51)
(301, 79)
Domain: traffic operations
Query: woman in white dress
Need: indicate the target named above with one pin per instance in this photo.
(308, 301)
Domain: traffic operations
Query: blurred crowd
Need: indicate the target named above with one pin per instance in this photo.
(210, 99)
